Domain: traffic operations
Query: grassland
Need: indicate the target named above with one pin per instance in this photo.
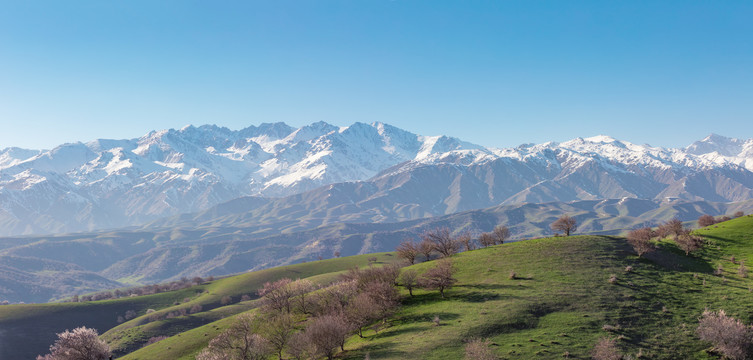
(558, 304)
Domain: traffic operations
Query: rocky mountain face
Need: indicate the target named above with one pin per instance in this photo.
(321, 173)
(116, 183)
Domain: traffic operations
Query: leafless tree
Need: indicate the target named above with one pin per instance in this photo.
(408, 279)
(362, 277)
(426, 248)
(486, 239)
(226, 300)
(688, 242)
(502, 233)
(240, 341)
(606, 349)
(361, 311)
(706, 220)
(672, 228)
(276, 295)
(277, 330)
(334, 298)
(326, 333)
(640, 240)
(729, 336)
(80, 344)
(195, 309)
(407, 250)
(385, 296)
(438, 277)
(300, 348)
(466, 240)
(300, 291)
(738, 214)
(478, 349)
(443, 241)
(565, 224)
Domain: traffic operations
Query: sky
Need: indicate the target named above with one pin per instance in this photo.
(496, 73)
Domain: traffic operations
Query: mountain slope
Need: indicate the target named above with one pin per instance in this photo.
(557, 306)
(115, 183)
(213, 248)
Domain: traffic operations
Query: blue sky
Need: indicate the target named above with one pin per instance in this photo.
(497, 73)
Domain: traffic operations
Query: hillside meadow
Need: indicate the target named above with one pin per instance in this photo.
(566, 294)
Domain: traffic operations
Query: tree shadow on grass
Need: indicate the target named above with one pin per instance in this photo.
(381, 350)
(476, 296)
(428, 317)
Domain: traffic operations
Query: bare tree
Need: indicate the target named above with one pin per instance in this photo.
(478, 349)
(426, 248)
(334, 298)
(467, 241)
(502, 233)
(361, 311)
(226, 300)
(438, 277)
(486, 239)
(301, 298)
(565, 224)
(640, 240)
(326, 333)
(276, 295)
(443, 241)
(729, 336)
(277, 330)
(706, 220)
(688, 242)
(239, 342)
(385, 296)
(80, 344)
(300, 348)
(407, 250)
(672, 228)
(738, 214)
(409, 280)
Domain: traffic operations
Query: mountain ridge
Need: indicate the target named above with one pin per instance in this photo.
(109, 184)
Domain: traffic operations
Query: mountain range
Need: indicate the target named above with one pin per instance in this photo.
(320, 174)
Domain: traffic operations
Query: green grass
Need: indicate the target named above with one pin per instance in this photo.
(558, 306)
(563, 300)
(132, 335)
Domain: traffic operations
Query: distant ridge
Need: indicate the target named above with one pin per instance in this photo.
(107, 184)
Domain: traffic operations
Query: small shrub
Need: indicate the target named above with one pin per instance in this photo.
(729, 336)
(155, 339)
(436, 320)
(513, 275)
(478, 349)
(719, 270)
(613, 279)
(742, 270)
(628, 268)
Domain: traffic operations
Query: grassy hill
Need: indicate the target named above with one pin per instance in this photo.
(558, 305)
(28, 330)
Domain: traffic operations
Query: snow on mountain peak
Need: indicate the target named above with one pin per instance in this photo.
(171, 171)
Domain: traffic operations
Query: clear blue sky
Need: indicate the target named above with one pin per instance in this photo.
(497, 73)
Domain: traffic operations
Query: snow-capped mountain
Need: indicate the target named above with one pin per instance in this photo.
(115, 183)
